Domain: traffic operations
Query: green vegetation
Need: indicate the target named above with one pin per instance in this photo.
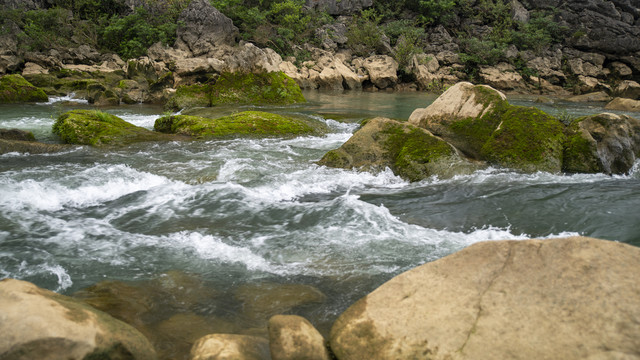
(15, 89)
(580, 153)
(247, 123)
(96, 128)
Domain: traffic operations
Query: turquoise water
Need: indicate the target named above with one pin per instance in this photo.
(249, 211)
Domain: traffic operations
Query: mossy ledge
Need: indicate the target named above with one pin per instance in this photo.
(15, 89)
(97, 128)
(274, 88)
(242, 124)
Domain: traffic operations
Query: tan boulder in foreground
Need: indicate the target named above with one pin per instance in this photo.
(293, 337)
(573, 298)
(39, 324)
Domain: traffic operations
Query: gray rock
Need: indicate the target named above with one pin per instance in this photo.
(203, 28)
(573, 298)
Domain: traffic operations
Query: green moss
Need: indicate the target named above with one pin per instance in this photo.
(15, 89)
(412, 151)
(96, 128)
(336, 159)
(527, 139)
(247, 123)
(580, 154)
(274, 88)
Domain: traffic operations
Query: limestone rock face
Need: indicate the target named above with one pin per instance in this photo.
(204, 28)
(39, 324)
(383, 70)
(573, 298)
(605, 142)
(293, 337)
(501, 78)
(230, 347)
(623, 104)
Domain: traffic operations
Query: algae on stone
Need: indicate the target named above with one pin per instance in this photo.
(96, 128)
(15, 89)
(273, 88)
(247, 123)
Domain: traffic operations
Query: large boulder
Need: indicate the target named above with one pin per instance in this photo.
(203, 28)
(337, 76)
(246, 123)
(479, 122)
(40, 324)
(97, 128)
(383, 70)
(273, 88)
(249, 58)
(572, 298)
(607, 143)
(409, 151)
(15, 89)
(230, 347)
(628, 89)
(293, 337)
(623, 104)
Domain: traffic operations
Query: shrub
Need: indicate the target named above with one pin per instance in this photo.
(363, 34)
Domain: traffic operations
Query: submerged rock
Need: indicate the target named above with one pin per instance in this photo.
(15, 89)
(572, 298)
(479, 122)
(605, 143)
(15, 140)
(40, 324)
(411, 152)
(96, 128)
(230, 347)
(239, 88)
(293, 337)
(246, 123)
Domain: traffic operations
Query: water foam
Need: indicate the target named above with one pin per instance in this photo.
(68, 98)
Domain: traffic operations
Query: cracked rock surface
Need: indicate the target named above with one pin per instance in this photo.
(571, 298)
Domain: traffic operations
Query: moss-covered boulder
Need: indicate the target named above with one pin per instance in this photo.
(15, 89)
(96, 128)
(607, 143)
(410, 151)
(239, 88)
(247, 123)
(480, 122)
(20, 141)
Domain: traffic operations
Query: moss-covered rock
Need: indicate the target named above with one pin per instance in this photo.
(239, 88)
(607, 143)
(247, 123)
(96, 128)
(411, 152)
(20, 141)
(15, 89)
(480, 122)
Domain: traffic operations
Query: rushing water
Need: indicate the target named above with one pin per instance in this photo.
(244, 211)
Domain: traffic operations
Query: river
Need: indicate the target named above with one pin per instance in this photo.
(249, 211)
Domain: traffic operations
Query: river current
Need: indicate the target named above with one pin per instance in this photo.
(250, 211)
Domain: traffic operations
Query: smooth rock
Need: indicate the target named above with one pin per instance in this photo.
(39, 324)
(230, 347)
(573, 298)
(293, 337)
(599, 96)
(623, 104)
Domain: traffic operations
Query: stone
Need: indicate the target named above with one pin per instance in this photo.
(203, 28)
(230, 347)
(198, 65)
(500, 79)
(599, 96)
(97, 128)
(33, 69)
(40, 324)
(337, 76)
(249, 58)
(479, 122)
(9, 63)
(571, 298)
(607, 143)
(262, 301)
(628, 89)
(242, 124)
(293, 337)
(382, 69)
(623, 104)
(30, 147)
(519, 12)
(16, 134)
(15, 89)
(409, 151)
(620, 69)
